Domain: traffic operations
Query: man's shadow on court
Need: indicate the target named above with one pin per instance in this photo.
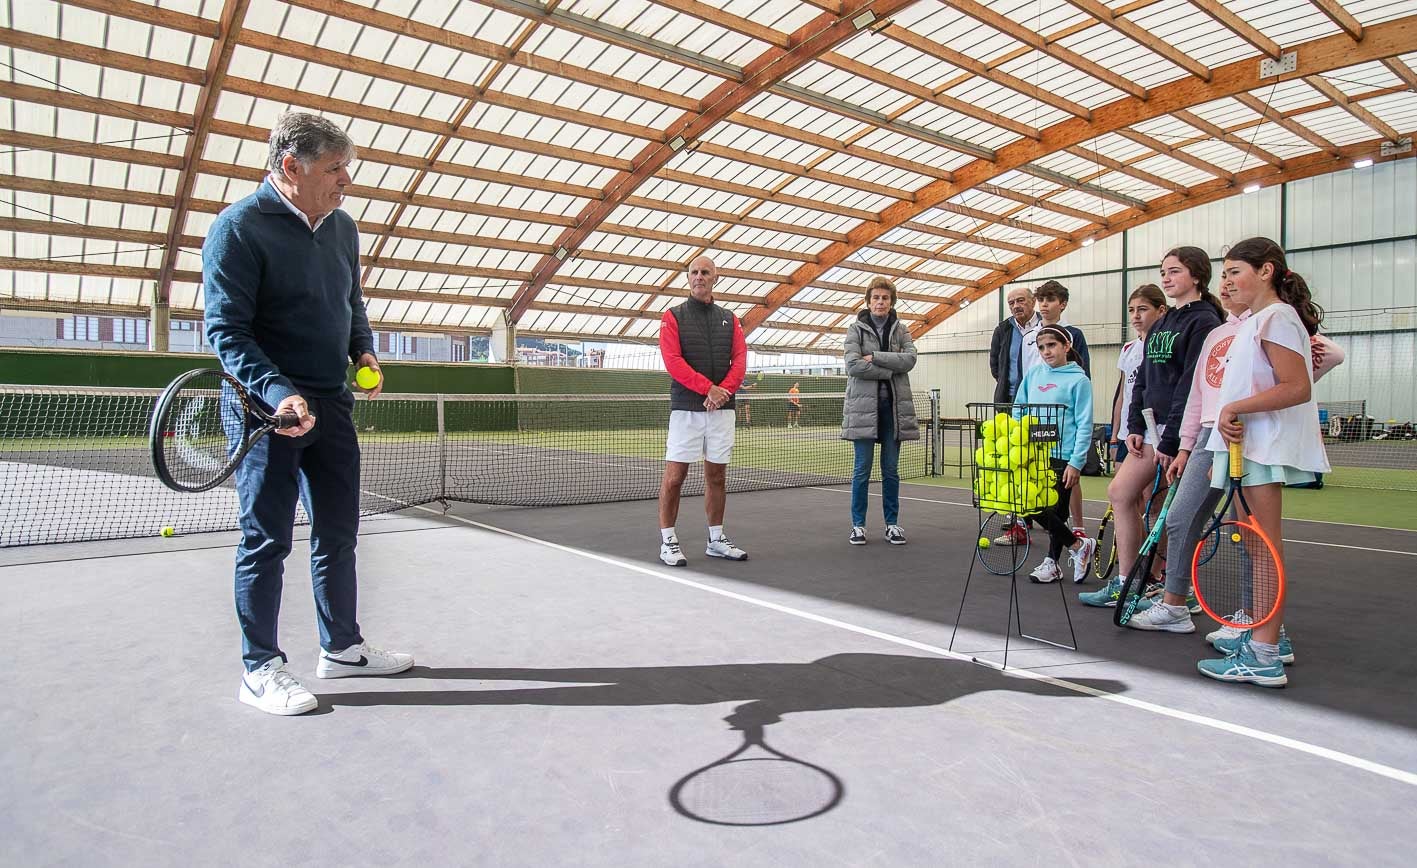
(774, 793)
(835, 682)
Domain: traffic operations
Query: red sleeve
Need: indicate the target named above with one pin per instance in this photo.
(739, 368)
(674, 357)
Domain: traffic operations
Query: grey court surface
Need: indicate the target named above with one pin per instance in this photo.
(569, 687)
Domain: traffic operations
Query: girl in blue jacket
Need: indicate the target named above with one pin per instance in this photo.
(1061, 380)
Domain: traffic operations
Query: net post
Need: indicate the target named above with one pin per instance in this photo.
(442, 454)
(937, 437)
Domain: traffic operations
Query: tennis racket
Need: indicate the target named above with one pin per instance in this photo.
(1102, 566)
(203, 425)
(755, 785)
(1235, 569)
(1132, 589)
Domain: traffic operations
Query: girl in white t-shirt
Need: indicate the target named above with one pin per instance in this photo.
(1266, 402)
(1145, 306)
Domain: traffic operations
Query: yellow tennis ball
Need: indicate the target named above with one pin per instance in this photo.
(168, 531)
(1001, 446)
(986, 430)
(983, 542)
(1018, 435)
(1018, 457)
(1234, 537)
(366, 378)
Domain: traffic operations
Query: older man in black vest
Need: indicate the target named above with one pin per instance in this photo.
(704, 351)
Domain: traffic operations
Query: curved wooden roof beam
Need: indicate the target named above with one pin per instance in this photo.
(1307, 166)
(813, 39)
(1389, 39)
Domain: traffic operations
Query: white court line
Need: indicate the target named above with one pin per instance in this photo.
(1304, 542)
(1376, 768)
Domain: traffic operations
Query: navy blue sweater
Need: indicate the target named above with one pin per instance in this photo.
(283, 307)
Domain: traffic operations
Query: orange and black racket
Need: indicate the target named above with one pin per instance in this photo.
(1236, 569)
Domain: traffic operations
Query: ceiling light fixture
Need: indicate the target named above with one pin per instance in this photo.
(863, 20)
(1363, 163)
(1252, 188)
(1087, 242)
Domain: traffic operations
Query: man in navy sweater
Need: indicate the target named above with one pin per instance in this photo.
(284, 312)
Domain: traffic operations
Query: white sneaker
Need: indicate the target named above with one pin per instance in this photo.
(1160, 616)
(1046, 572)
(363, 660)
(275, 691)
(1082, 559)
(1229, 632)
(723, 547)
(858, 536)
(671, 554)
(895, 535)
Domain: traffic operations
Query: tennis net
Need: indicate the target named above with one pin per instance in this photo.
(75, 463)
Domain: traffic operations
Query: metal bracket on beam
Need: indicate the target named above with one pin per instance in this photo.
(1287, 62)
(1401, 146)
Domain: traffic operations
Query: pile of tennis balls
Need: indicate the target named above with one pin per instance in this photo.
(1013, 474)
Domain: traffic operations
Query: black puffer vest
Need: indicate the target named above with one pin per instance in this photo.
(706, 341)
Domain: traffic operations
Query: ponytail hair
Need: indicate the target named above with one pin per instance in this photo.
(1151, 294)
(1063, 337)
(1288, 285)
(1197, 262)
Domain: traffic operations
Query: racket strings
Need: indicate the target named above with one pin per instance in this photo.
(1236, 571)
(204, 426)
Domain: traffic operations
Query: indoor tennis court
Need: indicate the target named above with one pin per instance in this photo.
(548, 245)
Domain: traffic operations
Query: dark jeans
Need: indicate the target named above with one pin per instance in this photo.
(1054, 519)
(321, 468)
(890, 473)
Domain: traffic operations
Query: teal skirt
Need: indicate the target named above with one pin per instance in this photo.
(1257, 474)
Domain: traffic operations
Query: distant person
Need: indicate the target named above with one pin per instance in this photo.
(704, 351)
(879, 406)
(794, 407)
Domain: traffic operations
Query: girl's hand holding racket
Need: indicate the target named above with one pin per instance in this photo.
(1178, 466)
(1228, 423)
(295, 406)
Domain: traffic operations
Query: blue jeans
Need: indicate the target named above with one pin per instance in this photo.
(321, 468)
(890, 474)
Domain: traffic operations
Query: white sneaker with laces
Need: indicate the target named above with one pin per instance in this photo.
(361, 660)
(273, 690)
(1229, 632)
(723, 547)
(1046, 572)
(1160, 616)
(858, 535)
(1082, 559)
(895, 535)
(671, 554)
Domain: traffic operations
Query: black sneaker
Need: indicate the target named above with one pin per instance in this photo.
(858, 536)
(894, 535)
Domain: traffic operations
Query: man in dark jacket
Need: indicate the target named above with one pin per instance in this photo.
(285, 315)
(1006, 346)
(704, 351)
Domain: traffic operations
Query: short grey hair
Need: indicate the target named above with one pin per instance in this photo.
(306, 137)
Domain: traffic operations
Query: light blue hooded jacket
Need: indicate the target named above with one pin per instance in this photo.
(1069, 386)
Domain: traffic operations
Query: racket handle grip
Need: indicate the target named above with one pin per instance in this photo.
(287, 420)
(1149, 416)
(1237, 460)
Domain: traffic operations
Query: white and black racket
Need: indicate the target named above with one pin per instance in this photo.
(203, 425)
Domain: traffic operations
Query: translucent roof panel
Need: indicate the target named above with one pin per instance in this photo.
(561, 162)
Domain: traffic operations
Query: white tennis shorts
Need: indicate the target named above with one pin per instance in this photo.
(700, 436)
